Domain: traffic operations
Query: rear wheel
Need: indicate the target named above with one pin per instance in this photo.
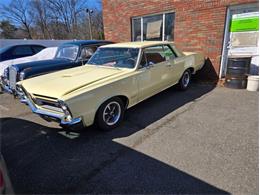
(110, 114)
(184, 81)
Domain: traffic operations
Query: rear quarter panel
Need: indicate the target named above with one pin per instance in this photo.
(195, 60)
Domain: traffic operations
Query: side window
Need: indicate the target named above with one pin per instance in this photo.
(87, 52)
(168, 53)
(37, 49)
(152, 55)
(22, 51)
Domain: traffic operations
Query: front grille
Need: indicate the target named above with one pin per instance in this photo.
(41, 102)
(52, 108)
(47, 104)
(12, 77)
(45, 97)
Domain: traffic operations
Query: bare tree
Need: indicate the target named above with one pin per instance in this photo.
(7, 30)
(68, 12)
(41, 18)
(57, 19)
(98, 25)
(18, 12)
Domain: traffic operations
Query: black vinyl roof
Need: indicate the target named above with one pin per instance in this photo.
(87, 42)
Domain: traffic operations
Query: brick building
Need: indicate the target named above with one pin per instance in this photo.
(194, 25)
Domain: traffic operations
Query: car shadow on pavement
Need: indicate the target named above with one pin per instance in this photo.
(48, 160)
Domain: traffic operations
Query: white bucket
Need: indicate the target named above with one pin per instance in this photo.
(252, 83)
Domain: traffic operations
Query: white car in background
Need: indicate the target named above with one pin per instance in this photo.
(45, 54)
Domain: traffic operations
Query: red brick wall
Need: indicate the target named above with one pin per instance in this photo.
(199, 24)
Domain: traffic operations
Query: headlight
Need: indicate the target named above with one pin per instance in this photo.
(66, 111)
(19, 88)
(20, 93)
(21, 76)
(64, 107)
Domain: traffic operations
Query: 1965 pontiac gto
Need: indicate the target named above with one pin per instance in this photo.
(116, 77)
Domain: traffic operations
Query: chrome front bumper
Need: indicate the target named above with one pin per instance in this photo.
(48, 115)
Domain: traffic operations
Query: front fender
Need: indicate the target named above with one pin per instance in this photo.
(85, 104)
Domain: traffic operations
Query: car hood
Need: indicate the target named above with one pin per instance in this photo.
(45, 63)
(61, 83)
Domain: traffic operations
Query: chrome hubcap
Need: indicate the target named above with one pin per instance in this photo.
(112, 113)
(186, 79)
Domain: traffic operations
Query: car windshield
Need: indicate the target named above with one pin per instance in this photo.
(115, 57)
(67, 52)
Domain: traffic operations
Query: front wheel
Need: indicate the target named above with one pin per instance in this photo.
(184, 81)
(110, 114)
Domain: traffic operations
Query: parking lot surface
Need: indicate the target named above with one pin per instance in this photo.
(203, 140)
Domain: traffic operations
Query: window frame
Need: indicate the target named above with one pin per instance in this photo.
(141, 54)
(144, 54)
(174, 53)
(142, 23)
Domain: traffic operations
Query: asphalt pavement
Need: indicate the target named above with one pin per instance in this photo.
(201, 141)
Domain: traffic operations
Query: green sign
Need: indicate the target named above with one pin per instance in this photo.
(241, 23)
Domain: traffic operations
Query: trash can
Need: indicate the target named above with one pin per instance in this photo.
(253, 83)
(237, 71)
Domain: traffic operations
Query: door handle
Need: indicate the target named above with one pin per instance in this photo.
(168, 64)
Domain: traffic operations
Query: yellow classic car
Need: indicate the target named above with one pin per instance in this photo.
(116, 77)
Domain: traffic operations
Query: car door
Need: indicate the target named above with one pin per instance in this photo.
(153, 72)
(174, 63)
(22, 51)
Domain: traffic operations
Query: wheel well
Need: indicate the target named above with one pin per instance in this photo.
(124, 99)
(191, 70)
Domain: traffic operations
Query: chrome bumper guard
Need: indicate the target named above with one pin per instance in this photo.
(49, 115)
(5, 87)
